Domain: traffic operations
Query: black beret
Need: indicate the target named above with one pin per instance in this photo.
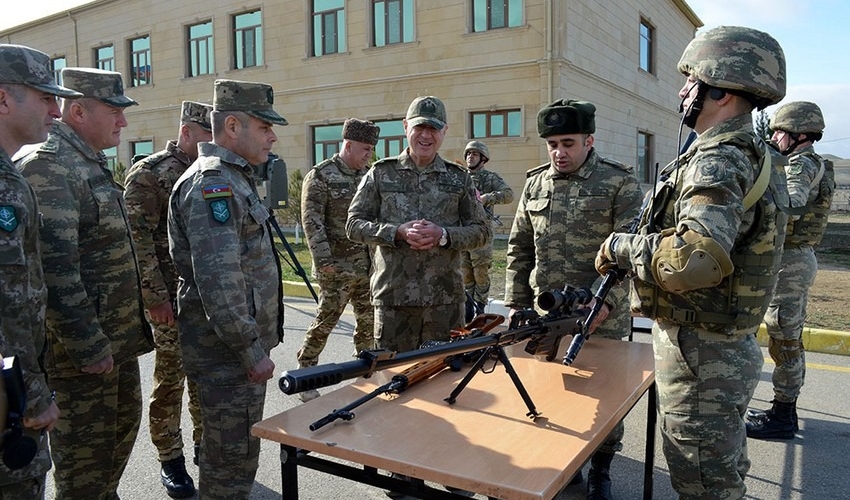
(566, 117)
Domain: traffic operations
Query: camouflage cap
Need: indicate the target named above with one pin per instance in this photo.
(30, 67)
(566, 117)
(196, 112)
(105, 86)
(479, 146)
(252, 98)
(798, 117)
(427, 110)
(360, 131)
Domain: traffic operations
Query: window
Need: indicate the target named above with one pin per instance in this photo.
(328, 27)
(56, 64)
(504, 123)
(645, 172)
(495, 14)
(393, 21)
(111, 158)
(247, 40)
(327, 140)
(104, 58)
(140, 149)
(201, 60)
(140, 61)
(647, 32)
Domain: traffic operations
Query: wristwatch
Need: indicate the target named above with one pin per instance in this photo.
(444, 238)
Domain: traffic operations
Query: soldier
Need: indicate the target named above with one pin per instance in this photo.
(230, 295)
(492, 190)
(419, 211)
(811, 183)
(147, 188)
(567, 207)
(705, 257)
(95, 319)
(27, 109)
(340, 265)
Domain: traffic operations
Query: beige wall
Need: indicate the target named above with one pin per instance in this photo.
(593, 55)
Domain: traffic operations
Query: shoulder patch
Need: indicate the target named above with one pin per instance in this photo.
(537, 170)
(217, 191)
(220, 210)
(8, 218)
(616, 164)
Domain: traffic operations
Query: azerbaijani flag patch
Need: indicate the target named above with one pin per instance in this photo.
(217, 191)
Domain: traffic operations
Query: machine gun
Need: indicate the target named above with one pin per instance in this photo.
(543, 335)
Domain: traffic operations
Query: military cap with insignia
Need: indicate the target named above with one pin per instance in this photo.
(252, 98)
(105, 86)
(427, 110)
(26, 66)
(361, 131)
(196, 112)
(566, 117)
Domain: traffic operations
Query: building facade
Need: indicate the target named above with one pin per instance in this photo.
(493, 62)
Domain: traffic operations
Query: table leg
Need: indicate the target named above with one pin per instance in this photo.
(289, 472)
(649, 454)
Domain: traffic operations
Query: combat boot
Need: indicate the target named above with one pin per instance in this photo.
(177, 482)
(756, 416)
(778, 422)
(598, 477)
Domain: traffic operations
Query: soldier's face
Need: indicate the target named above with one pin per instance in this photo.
(256, 139)
(473, 159)
(423, 142)
(568, 152)
(32, 112)
(99, 123)
(358, 154)
(782, 139)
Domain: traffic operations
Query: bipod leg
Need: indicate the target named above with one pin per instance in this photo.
(468, 377)
(532, 411)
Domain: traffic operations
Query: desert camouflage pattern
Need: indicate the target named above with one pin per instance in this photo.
(230, 309)
(476, 263)
(23, 300)
(798, 117)
(94, 310)
(326, 193)
(403, 328)
(707, 360)
(737, 58)
(146, 192)
(560, 222)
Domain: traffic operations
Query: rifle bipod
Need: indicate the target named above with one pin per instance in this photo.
(500, 355)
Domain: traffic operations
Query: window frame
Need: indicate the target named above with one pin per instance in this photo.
(406, 22)
(339, 33)
(101, 62)
(193, 50)
(57, 72)
(644, 148)
(508, 15)
(134, 60)
(241, 46)
(646, 46)
(507, 114)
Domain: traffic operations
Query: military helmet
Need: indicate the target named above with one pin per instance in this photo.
(738, 59)
(477, 146)
(798, 117)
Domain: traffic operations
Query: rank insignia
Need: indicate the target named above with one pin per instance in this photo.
(217, 191)
(8, 219)
(220, 211)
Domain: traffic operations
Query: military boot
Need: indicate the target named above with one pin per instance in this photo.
(757, 416)
(778, 422)
(598, 477)
(177, 482)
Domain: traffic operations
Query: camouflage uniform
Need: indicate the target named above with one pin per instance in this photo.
(94, 309)
(229, 299)
(147, 188)
(326, 194)
(707, 360)
(476, 263)
(419, 286)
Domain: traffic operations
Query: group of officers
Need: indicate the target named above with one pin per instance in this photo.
(185, 246)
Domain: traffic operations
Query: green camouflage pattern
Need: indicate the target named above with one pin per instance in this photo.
(326, 193)
(252, 98)
(479, 146)
(476, 263)
(196, 112)
(798, 117)
(427, 110)
(737, 58)
(23, 299)
(147, 189)
(804, 169)
(106, 86)
(404, 328)
(26, 66)
(560, 222)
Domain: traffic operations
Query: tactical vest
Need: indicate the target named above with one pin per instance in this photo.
(808, 229)
(741, 299)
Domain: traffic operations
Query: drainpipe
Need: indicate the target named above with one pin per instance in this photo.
(550, 34)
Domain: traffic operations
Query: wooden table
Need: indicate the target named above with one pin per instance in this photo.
(484, 442)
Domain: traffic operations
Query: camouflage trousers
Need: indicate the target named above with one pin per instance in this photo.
(98, 423)
(26, 489)
(402, 329)
(336, 292)
(785, 318)
(230, 455)
(705, 381)
(475, 268)
(166, 401)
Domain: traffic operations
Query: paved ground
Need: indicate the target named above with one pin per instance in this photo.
(813, 466)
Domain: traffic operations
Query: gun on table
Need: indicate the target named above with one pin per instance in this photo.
(611, 278)
(542, 334)
(422, 370)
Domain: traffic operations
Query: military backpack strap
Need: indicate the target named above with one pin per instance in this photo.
(762, 181)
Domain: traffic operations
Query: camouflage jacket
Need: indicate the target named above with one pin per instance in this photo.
(811, 186)
(326, 193)
(395, 191)
(490, 183)
(146, 191)
(94, 305)
(230, 296)
(560, 222)
(23, 298)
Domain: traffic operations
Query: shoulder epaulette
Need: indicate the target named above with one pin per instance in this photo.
(51, 145)
(455, 165)
(536, 170)
(324, 163)
(152, 159)
(386, 160)
(616, 164)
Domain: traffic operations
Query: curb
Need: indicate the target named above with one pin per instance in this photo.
(814, 339)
